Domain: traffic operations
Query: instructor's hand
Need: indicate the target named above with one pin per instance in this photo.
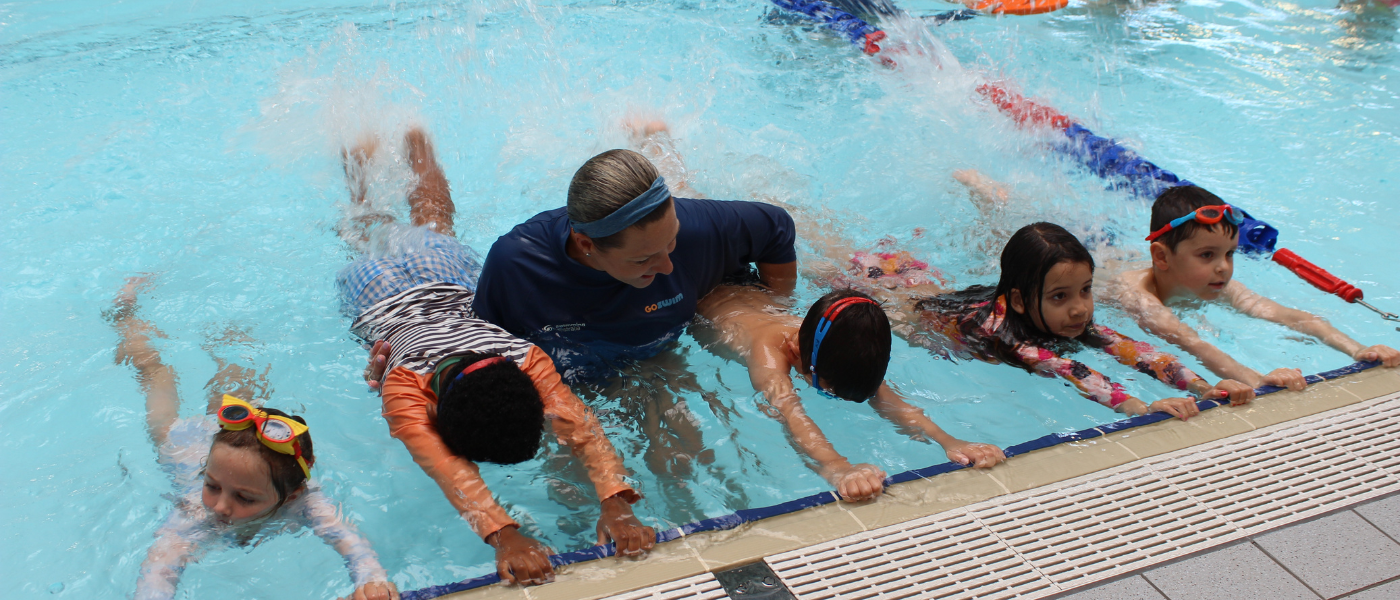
(619, 525)
(520, 559)
(378, 360)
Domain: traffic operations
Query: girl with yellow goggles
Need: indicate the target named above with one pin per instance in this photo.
(276, 432)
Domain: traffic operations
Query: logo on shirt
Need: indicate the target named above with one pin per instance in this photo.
(664, 303)
(563, 327)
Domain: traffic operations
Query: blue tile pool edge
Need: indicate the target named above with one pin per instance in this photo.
(749, 515)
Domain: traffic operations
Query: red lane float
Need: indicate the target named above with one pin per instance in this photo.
(1017, 7)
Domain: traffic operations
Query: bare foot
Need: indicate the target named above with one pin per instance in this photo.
(984, 191)
(124, 305)
(356, 161)
(420, 151)
(430, 201)
(640, 128)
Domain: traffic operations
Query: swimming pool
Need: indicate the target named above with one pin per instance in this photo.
(200, 143)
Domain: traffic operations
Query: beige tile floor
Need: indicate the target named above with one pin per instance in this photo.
(711, 551)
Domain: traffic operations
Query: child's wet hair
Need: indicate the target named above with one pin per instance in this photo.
(1026, 260)
(855, 353)
(1176, 202)
(286, 474)
(494, 414)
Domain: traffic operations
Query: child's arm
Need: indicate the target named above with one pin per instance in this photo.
(166, 560)
(135, 348)
(578, 428)
(1255, 305)
(769, 372)
(1099, 388)
(371, 582)
(519, 559)
(890, 405)
(1156, 319)
(1167, 369)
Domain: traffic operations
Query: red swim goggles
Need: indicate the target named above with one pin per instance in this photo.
(1205, 215)
(274, 431)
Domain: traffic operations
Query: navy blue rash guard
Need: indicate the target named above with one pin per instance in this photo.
(592, 324)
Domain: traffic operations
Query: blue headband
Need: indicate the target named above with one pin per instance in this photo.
(630, 213)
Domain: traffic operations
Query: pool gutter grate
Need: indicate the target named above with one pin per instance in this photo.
(700, 587)
(1074, 533)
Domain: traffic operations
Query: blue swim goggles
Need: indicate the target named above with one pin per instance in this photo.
(823, 326)
(1205, 215)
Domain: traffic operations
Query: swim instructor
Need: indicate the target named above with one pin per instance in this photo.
(615, 275)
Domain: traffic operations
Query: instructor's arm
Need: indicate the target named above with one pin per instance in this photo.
(780, 278)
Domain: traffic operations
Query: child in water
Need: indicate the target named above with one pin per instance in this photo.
(456, 389)
(845, 332)
(1041, 309)
(241, 471)
(848, 335)
(1194, 236)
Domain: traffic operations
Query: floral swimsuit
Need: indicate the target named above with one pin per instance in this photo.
(1092, 384)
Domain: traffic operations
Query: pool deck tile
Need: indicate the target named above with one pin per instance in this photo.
(1238, 572)
(612, 575)
(1170, 436)
(1335, 554)
(1059, 463)
(1383, 514)
(491, 592)
(920, 498)
(753, 541)
(1285, 406)
(1127, 588)
(1385, 591)
(1368, 384)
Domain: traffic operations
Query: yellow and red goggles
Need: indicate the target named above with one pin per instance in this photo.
(276, 432)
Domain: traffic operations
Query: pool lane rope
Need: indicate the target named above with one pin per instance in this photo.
(1105, 157)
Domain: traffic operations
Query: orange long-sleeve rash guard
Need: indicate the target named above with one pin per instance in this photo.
(410, 407)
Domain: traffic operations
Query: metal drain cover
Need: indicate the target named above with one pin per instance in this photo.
(754, 581)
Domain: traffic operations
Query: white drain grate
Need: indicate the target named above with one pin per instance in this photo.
(1373, 436)
(1041, 542)
(699, 587)
(948, 557)
(1106, 526)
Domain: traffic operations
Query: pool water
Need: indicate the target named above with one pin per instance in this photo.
(200, 142)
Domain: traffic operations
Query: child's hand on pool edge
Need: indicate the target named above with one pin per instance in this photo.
(1237, 393)
(1386, 355)
(375, 590)
(520, 559)
(856, 483)
(617, 524)
(1286, 378)
(1181, 408)
(974, 454)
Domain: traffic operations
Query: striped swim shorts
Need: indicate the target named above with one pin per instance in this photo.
(419, 258)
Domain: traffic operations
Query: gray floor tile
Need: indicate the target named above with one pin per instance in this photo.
(1389, 591)
(1238, 572)
(1335, 554)
(1383, 513)
(1130, 588)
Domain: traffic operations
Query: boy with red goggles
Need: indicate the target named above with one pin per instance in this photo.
(1194, 236)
